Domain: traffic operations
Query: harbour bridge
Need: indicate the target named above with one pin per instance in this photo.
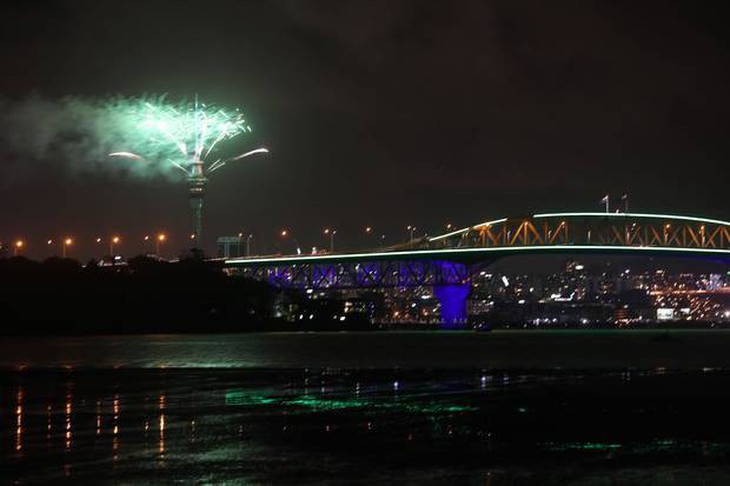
(447, 262)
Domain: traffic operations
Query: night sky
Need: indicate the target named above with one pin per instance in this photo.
(383, 113)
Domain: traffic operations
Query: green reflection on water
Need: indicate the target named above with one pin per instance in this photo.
(580, 446)
(247, 398)
(327, 404)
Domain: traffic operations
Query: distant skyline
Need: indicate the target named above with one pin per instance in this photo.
(381, 113)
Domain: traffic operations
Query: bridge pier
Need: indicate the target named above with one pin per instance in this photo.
(453, 304)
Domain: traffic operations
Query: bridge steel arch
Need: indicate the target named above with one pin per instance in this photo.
(609, 229)
(448, 261)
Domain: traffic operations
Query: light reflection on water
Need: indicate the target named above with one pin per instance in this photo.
(326, 425)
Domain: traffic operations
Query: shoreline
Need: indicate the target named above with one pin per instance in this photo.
(679, 349)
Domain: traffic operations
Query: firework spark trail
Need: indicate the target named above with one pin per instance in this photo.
(80, 133)
(189, 132)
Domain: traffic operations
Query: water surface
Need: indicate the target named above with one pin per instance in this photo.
(257, 409)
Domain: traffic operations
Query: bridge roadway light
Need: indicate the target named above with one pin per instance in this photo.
(18, 246)
(331, 233)
(369, 232)
(284, 234)
(411, 229)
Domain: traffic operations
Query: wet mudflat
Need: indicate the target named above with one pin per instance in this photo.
(140, 422)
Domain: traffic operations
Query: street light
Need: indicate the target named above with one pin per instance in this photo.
(283, 234)
(66, 243)
(18, 246)
(146, 243)
(331, 233)
(113, 241)
(158, 241)
(370, 233)
(248, 243)
(411, 229)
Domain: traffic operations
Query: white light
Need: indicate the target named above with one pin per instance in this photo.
(467, 251)
(632, 215)
(126, 155)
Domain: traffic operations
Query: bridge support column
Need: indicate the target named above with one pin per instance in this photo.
(453, 304)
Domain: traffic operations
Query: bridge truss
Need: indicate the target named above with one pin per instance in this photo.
(610, 229)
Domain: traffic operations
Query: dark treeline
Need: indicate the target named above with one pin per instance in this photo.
(61, 296)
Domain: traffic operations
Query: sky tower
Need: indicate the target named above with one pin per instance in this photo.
(185, 137)
(196, 185)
